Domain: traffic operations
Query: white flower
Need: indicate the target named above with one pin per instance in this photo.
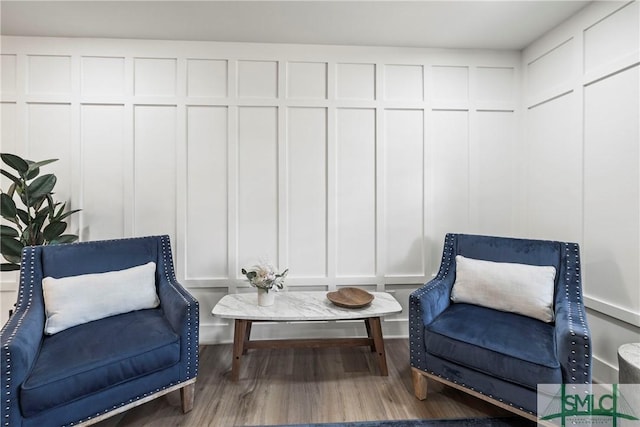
(265, 276)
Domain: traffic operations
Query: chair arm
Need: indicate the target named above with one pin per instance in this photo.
(21, 338)
(573, 338)
(425, 304)
(182, 312)
(181, 309)
(573, 341)
(432, 299)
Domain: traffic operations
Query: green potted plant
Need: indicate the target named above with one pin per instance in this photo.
(40, 221)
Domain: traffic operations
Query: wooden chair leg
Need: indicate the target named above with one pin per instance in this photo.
(419, 384)
(187, 395)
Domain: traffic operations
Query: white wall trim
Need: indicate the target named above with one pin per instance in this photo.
(611, 310)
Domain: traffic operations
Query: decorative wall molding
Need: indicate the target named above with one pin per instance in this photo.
(619, 313)
(581, 174)
(329, 160)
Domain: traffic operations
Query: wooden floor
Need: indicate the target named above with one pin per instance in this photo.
(304, 386)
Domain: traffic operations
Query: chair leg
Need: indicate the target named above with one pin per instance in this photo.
(187, 395)
(419, 384)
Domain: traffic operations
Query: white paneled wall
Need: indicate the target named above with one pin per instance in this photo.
(347, 165)
(582, 143)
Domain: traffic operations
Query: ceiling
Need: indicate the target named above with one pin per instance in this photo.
(443, 24)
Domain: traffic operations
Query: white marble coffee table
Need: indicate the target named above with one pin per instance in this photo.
(303, 306)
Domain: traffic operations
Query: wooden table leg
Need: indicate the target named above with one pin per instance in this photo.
(239, 332)
(368, 326)
(376, 331)
(247, 335)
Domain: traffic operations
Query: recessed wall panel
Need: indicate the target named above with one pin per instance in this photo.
(613, 38)
(257, 79)
(102, 76)
(404, 183)
(553, 171)
(8, 127)
(403, 82)
(155, 76)
(49, 75)
(449, 173)
(356, 192)
(307, 80)
(496, 84)
(206, 243)
(493, 166)
(551, 70)
(49, 137)
(257, 182)
(307, 198)
(207, 78)
(356, 81)
(8, 65)
(103, 188)
(450, 83)
(612, 190)
(155, 170)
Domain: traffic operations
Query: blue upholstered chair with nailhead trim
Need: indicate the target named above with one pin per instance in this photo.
(496, 355)
(89, 372)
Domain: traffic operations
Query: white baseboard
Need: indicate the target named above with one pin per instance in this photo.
(603, 372)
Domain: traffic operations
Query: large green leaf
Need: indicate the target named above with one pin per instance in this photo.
(38, 223)
(13, 259)
(40, 187)
(34, 167)
(42, 213)
(15, 162)
(32, 236)
(7, 207)
(23, 193)
(11, 247)
(26, 236)
(51, 204)
(9, 267)
(24, 216)
(53, 230)
(65, 238)
(11, 190)
(66, 214)
(37, 203)
(10, 176)
(6, 231)
(60, 209)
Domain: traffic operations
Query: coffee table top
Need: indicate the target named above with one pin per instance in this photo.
(306, 305)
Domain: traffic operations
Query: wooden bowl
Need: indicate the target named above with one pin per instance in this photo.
(350, 297)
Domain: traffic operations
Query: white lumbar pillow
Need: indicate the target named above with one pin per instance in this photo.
(74, 300)
(517, 288)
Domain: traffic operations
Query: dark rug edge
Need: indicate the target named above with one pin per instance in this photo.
(510, 421)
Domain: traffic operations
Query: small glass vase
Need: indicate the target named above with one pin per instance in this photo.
(266, 297)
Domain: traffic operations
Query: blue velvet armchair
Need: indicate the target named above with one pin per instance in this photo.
(496, 355)
(94, 370)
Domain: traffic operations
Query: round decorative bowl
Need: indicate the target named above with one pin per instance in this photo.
(350, 297)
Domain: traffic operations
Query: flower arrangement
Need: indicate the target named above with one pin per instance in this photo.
(264, 276)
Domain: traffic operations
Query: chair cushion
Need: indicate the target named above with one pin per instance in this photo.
(512, 347)
(97, 355)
